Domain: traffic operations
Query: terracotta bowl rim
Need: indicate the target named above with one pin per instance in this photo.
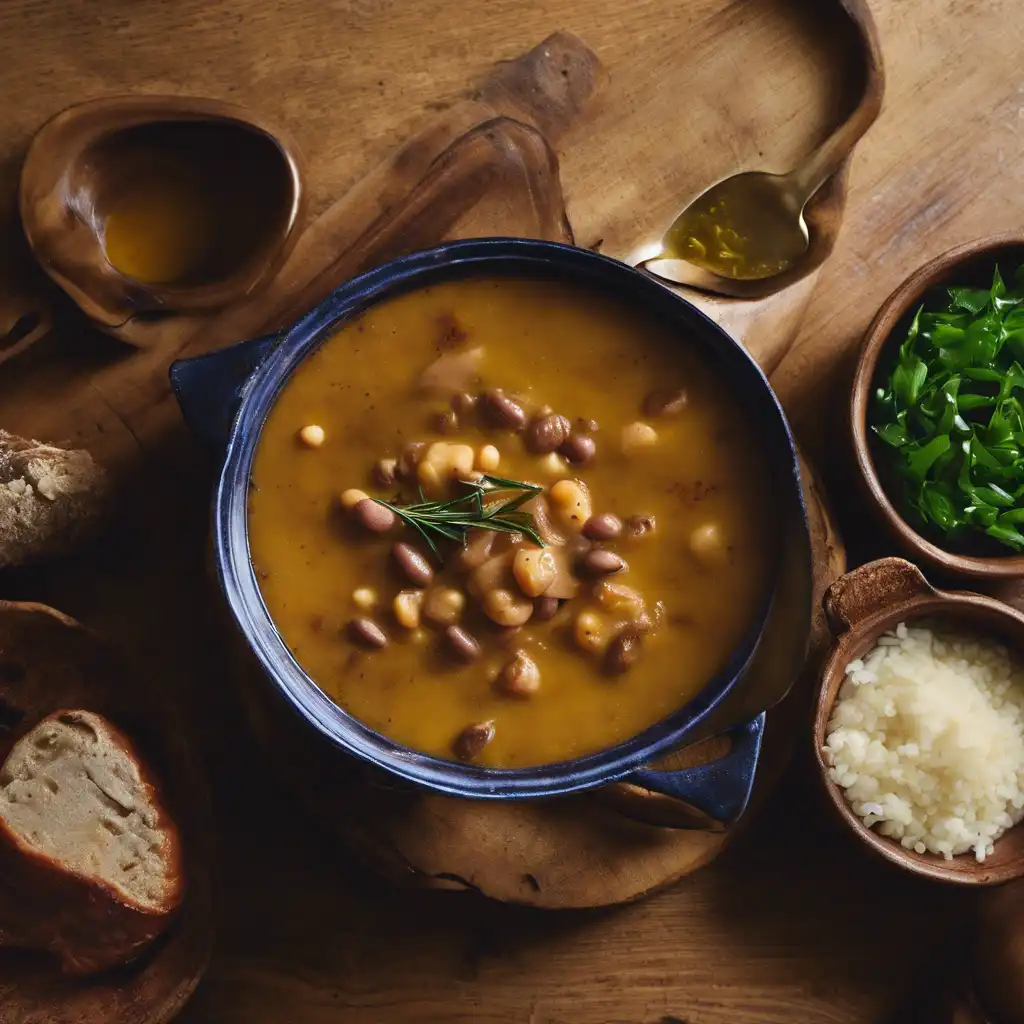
(942, 604)
(878, 334)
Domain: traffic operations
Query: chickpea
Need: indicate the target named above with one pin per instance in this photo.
(406, 607)
(443, 461)
(461, 459)
(520, 677)
(488, 458)
(708, 545)
(491, 575)
(534, 570)
(588, 630)
(553, 464)
(619, 599)
(638, 436)
(504, 608)
(364, 597)
(443, 606)
(352, 497)
(312, 435)
(571, 502)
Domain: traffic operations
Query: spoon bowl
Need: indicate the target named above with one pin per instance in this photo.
(748, 235)
(745, 228)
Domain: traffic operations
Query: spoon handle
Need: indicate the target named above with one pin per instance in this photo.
(828, 157)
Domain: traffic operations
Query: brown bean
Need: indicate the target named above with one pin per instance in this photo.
(374, 516)
(520, 677)
(470, 743)
(506, 609)
(585, 426)
(665, 403)
(622, 652)
(410, 457)
(602, 527)
(462, 646)
(367, 633)
(600, 562)
(545, 608)
(446, 422)
(463, 403)
(416, 568)
(504, 411)
(546, 433)
(385, 472)
(578, 449)
(640, 526)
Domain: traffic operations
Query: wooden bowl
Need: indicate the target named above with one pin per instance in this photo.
(241, 174)
(970, 263)
(859, 607)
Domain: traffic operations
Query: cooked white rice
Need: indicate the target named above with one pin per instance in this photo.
(927, 740)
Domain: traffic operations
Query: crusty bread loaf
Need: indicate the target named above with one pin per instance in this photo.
(90, 863)
(51, 500)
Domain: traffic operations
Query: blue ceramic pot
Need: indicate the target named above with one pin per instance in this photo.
(225, 397)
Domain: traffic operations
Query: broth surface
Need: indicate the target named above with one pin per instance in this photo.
(547, 344)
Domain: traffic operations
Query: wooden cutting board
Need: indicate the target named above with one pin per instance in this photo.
(779, 929)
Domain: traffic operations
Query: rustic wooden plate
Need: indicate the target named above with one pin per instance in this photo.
(49, 661)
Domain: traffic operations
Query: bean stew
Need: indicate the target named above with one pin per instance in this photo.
(503, 521)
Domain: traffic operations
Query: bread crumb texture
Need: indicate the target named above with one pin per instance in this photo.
(73, 791)
(51, 500)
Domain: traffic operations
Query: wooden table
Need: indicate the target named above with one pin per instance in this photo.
(792, 924)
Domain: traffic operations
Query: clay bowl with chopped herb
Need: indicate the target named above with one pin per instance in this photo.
(937, 410)
(509, 519)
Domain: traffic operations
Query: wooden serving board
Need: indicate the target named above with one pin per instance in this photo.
(780, 928)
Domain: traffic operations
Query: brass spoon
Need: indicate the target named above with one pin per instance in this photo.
(751, 226)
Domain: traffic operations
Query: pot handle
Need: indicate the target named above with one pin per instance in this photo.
(209, 388)
(721, 789)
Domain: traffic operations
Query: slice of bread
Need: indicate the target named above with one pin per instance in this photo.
(90, 863)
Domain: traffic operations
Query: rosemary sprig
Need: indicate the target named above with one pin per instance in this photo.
(453, 519)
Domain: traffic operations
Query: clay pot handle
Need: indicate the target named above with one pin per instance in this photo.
(870, 587)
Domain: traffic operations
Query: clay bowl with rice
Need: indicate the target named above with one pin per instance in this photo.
(919, 724)
(936, 415)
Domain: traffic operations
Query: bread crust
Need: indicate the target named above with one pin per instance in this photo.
(52, 500)
(84, 921)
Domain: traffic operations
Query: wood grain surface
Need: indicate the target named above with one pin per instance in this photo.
(792, 923)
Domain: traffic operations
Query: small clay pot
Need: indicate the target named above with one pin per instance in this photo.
(862, 605)
(83, 162)
(971, 264)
